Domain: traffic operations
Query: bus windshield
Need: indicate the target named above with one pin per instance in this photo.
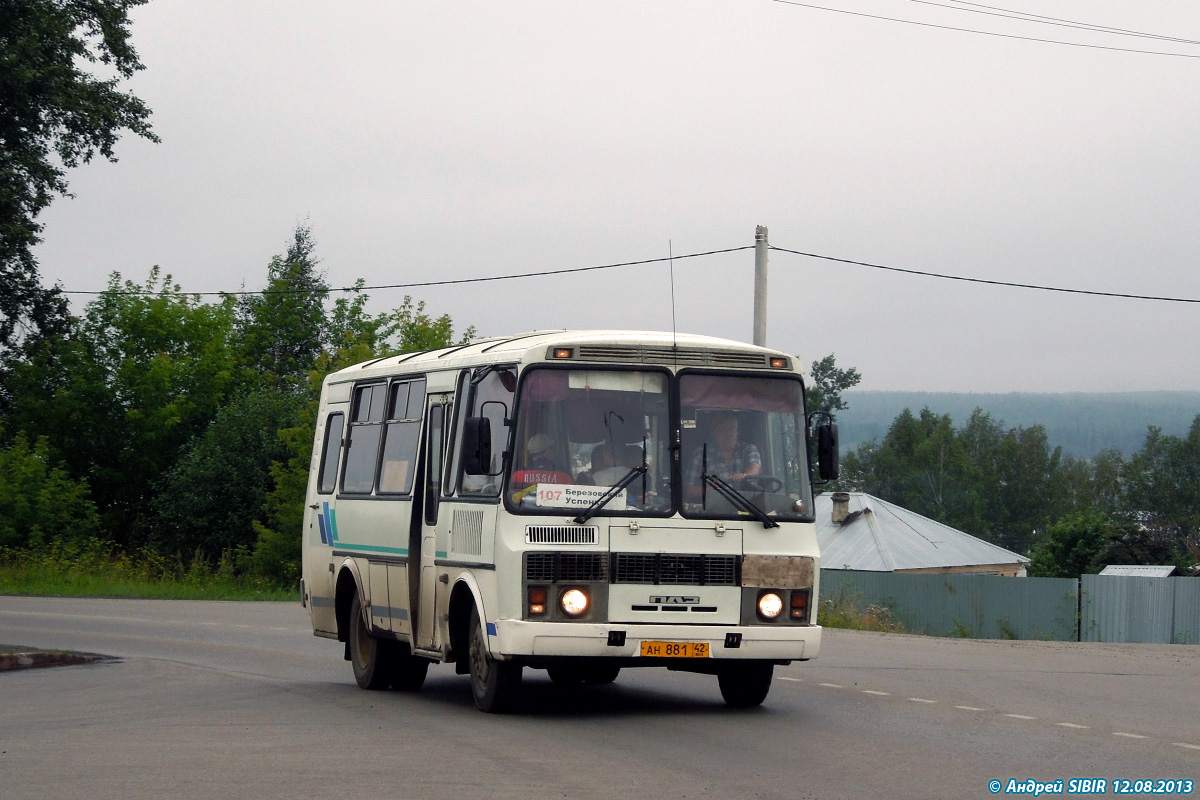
(747, 433)
(580, 432)
(585, 434)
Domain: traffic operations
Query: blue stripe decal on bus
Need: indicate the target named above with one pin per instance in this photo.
(491, 626)
(321, 525)
(372, 548)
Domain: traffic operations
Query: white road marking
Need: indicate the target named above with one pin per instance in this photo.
(971, 708)
(1019, 716)
(832, 685)
(921, 700)
(1188, 746)
(795, 680)
(878, 694)
(1128, 735)
(1071, 725)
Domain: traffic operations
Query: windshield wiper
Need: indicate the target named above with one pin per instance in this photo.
(603, 500)
(732, 495)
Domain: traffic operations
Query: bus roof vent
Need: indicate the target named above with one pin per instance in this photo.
(686, 356)
(561, 534)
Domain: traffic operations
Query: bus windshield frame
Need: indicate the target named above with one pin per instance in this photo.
(579, 430)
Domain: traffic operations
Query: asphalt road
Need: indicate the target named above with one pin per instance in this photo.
(239, 700)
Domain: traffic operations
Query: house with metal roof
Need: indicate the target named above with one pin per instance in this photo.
(1142, 570)
(858, 531)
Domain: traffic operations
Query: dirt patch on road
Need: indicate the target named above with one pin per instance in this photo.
(14, 657)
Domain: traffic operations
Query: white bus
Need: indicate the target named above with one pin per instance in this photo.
(574, 501)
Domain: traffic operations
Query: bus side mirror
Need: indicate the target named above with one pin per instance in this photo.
(477, 445)
(827, 451)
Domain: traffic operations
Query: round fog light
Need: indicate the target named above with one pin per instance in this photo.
(574, 602)
(770, 605)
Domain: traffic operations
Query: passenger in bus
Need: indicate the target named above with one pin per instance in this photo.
(607, 469)
(728, 458)
(540, 448)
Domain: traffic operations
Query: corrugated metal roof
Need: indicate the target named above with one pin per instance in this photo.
(1139, 569)
(883, 537)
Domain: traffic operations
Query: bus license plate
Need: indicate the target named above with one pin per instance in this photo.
(675, 649)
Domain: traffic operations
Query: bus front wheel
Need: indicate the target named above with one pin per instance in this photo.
(494, 683)
(745, 684)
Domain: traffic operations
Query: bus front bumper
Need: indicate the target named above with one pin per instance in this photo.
(517, 638)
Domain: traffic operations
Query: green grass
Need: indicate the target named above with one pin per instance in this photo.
(96, 568)
(843, 610)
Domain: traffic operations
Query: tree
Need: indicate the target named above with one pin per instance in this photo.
(38, 500)
(143, 372)
(1072, 546)
(283, 329)
(53, 116)
(213, 494)
(824, 392)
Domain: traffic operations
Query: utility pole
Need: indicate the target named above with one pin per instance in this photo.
(760, 286)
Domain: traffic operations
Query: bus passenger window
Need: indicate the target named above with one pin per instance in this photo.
(330, 451)
(402, 432)
(362, 443)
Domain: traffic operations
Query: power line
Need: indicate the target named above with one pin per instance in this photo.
(651, 261)
(142, 292)
(1005, 13)
(1077, 22)
(985, 33)
(989, 282)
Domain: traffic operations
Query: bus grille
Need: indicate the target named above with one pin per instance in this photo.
(676, 569)
(566, 567)
(560, 534)
(691, 356)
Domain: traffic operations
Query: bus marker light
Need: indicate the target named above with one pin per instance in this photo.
(537, 602)
(800, 604)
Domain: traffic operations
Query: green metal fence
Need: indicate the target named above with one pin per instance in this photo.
(1095, 609)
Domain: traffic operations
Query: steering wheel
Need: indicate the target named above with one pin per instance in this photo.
(760, 483)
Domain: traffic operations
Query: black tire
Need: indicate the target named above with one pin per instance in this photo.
(494, 684)
(408, 671)
(746, 684)
(372, 662)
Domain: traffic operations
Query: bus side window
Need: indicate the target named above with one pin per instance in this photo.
(492, 397)
(330, 451)
(362, 443)
(433, 468)
(402, 432)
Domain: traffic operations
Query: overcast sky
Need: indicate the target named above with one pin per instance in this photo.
(446, 139)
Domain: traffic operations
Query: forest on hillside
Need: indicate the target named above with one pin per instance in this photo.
(1083, 424)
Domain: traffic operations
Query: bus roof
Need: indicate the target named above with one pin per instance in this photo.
(608, 347)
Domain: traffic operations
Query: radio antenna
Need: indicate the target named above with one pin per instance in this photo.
(671, 259)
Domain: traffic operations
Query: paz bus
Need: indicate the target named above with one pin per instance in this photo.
(579, 502)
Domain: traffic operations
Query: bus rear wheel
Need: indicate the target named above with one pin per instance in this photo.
(494, 683)
(372, 660)
(745, 684)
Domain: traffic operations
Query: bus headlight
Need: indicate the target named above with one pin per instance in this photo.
(574, 602)
(770, 605)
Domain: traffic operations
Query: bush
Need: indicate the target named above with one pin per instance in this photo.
(39, 501)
